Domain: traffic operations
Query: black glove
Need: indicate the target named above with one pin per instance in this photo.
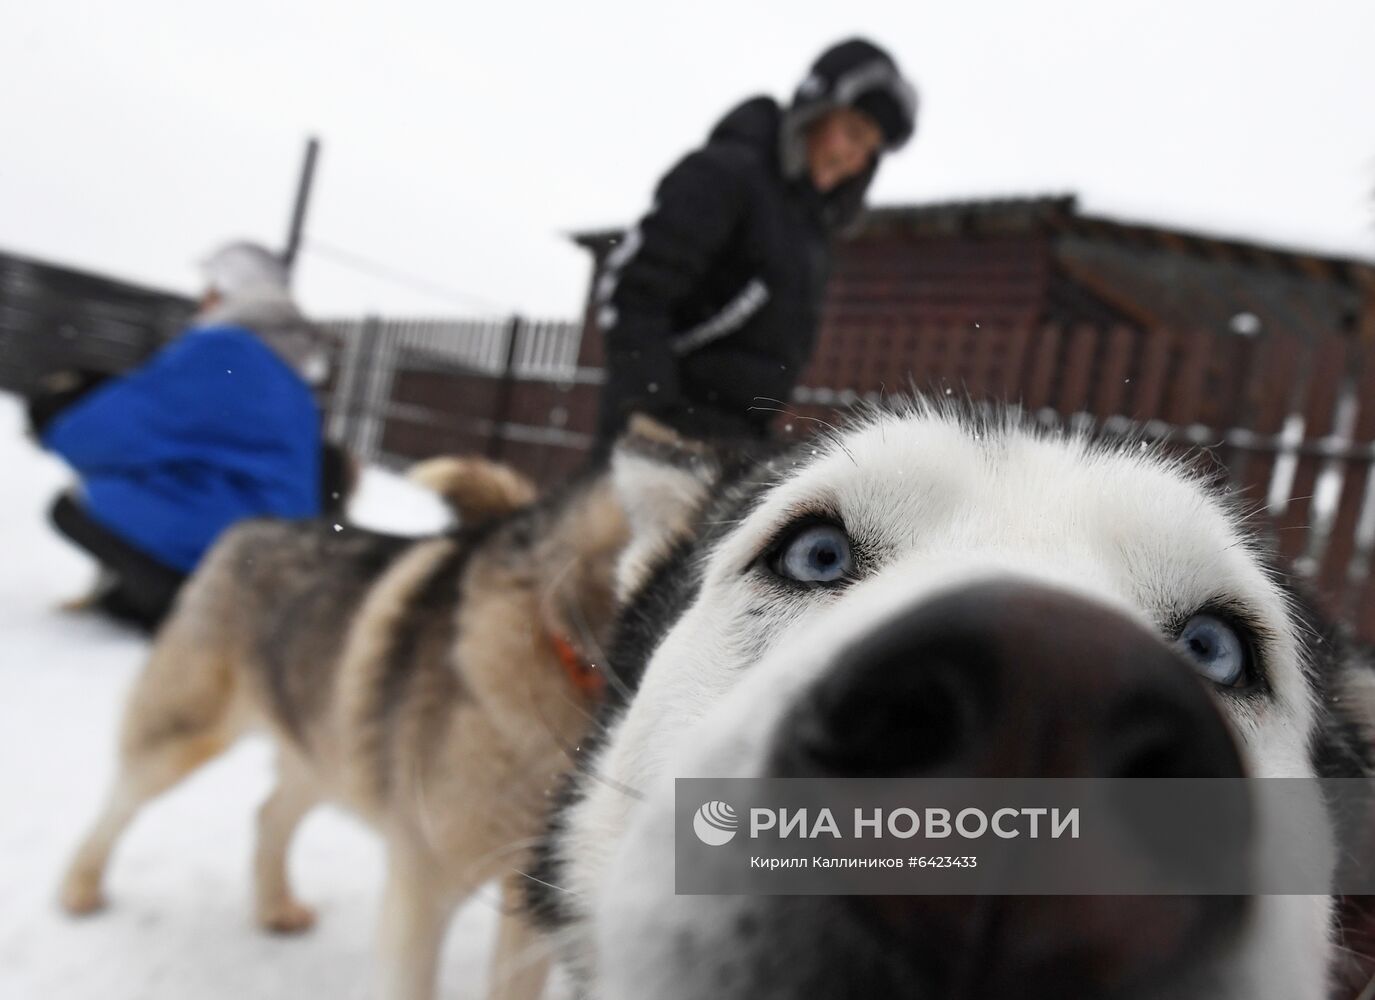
(57, 391)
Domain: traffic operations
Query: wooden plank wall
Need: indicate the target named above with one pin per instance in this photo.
(1290, 421)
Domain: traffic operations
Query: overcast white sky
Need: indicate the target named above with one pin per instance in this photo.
(462, 141)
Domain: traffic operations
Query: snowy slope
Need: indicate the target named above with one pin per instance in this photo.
(179, 924)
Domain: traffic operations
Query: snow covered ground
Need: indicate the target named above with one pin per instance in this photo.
(179, 926)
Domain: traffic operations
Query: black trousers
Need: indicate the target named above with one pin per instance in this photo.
(144, 588)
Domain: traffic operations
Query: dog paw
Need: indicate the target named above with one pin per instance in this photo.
(288, 917)
(81, 895)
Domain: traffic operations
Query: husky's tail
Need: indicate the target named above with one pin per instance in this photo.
(477, 489)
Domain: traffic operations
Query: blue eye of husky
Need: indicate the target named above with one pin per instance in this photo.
(818, 553)
(1215, 648)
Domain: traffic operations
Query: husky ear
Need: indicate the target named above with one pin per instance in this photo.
(661, 479)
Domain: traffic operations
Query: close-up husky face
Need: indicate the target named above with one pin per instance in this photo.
(835, 611)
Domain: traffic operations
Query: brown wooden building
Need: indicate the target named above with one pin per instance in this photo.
(54, 317)
(1028, 262)
(1020, 300)
(1265, 356)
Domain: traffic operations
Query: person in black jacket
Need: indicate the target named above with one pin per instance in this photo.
(710, 305)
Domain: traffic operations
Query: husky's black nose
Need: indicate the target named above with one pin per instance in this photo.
(1008, 680)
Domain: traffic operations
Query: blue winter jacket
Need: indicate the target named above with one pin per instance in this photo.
(216, 427)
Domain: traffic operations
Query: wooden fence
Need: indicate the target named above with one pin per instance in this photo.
(1290, 420)
(507, 388)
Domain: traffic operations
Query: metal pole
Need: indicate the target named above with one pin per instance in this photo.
(298, 212)
(359, 365)
(1366, 283)
(501, 411)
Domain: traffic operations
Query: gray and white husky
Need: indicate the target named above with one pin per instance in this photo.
(1059, 564)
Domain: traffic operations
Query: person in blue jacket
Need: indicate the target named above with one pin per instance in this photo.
(218, 426)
